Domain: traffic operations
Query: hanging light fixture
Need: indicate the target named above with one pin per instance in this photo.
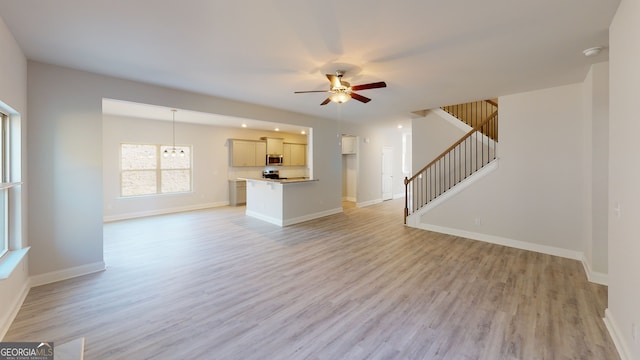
(173, 151)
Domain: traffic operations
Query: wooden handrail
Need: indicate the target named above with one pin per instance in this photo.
(444, 153)
(492, 102)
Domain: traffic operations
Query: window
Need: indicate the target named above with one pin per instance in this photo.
(144, 171)
(11, 246)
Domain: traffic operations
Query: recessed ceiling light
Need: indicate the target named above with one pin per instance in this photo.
(277, 129)
(592, 51)
(244, 125)
(303, 132)
(399, 126)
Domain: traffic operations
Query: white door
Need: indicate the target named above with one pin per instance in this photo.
(387, 173)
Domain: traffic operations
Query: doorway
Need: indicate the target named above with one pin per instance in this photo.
(349, 171)
(387, 173)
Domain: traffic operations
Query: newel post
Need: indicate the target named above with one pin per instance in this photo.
(406, 199)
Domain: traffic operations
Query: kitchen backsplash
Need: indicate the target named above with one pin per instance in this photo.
(256, 173)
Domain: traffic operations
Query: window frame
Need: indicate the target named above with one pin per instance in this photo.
(5, 185)
(13, 248)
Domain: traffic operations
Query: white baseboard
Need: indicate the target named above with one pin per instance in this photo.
(312, 216)
(7, 320)
(268, 219)
(594, 276)
(155, 212)
(287, 222)
(54, 276)
(398, 196)
(43, 279)
(523, 245)
(368, 203)
(618, 340)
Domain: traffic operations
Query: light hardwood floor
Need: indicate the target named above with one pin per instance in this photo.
(215, 284)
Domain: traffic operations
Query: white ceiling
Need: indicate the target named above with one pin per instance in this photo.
(430, 53)
(154, 112)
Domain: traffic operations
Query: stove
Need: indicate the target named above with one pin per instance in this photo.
(272, 174)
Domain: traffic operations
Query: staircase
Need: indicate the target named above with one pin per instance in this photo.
(474, 113)
(464, 158)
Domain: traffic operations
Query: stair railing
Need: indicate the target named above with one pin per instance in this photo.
(473, 113)
(466, 156)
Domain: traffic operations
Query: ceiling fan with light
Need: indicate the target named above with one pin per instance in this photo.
(341, 91)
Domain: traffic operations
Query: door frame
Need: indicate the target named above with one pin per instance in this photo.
(387, 178)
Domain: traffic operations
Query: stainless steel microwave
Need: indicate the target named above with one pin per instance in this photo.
(274, 159)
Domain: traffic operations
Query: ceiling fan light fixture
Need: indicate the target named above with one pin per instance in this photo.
(340, 97)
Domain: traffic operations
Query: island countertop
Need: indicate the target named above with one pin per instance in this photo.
(291, 180)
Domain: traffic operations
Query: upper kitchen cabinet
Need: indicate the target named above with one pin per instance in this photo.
(275, 146)
(294, 154)
(349, 144)
(261, 153)
(247, 152)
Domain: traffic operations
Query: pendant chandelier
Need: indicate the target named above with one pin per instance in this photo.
(173, 151)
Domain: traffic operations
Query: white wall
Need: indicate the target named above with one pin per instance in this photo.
(210, 155)
(65, 167)
(13, 93)
(587, 166)
(535, 196)
(432, 134)
(436, 134)
(624, 193)
(596, 170)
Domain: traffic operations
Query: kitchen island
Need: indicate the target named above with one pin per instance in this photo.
(282, 201)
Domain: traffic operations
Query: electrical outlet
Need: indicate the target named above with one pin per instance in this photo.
(477, 221)
(634, 332)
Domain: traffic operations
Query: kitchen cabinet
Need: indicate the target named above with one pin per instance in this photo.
(261, 153)
(294, 154)
(247, 152)
(237, 192)
(349, 145)
(274, 145)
